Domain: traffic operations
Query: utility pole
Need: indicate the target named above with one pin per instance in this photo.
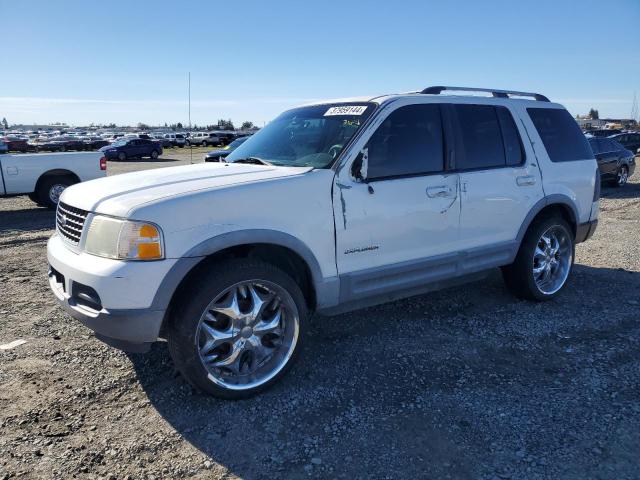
(190, 145)
(634, 108)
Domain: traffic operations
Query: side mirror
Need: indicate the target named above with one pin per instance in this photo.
(360, 165)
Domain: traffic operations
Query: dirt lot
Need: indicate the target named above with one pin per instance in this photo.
(466, 383)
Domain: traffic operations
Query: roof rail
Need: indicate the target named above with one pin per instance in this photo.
(496, 93)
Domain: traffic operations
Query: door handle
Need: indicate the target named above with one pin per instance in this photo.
(439, 191)
(525, 180)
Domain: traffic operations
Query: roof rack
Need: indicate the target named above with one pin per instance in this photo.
(496, 93)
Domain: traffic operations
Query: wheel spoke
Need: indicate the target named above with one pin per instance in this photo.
(215, 337)
(271, 325)
(258, 303)
(538, 253)
(231, 309)
(232, 360)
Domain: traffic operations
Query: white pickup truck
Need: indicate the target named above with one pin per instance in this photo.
(44, 176)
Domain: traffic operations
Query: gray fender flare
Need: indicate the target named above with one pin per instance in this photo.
(554, 199)
(326, 289)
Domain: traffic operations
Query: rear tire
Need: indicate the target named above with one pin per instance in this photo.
(50, 189)
(205, 359)
(154, 155)
(538, 273)
(122, 156)
(36, 199)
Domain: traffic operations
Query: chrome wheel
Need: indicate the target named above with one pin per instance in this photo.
(247, 334)
(622, 176)
(55, 191)
(552, 260)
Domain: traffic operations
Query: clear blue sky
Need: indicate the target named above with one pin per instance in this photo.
(127, 61)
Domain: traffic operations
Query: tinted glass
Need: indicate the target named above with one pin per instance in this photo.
(409, 142)
(512, 143)
(479, 131)
(595, 146)
(560, 134)
(607, 145)
(616, 145)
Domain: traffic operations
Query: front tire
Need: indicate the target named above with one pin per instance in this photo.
(122, 156)
(154, 155)
(237, 328)
(544, 261)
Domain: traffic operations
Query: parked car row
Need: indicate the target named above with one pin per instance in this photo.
(615, 162)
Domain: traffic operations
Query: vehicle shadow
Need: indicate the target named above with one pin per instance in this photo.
(412, 387)
(27, 219)
(630, 190)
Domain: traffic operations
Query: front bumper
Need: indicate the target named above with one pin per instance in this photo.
(115, 299)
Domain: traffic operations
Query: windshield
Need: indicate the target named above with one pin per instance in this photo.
(120, 143)
(305, 137)
(238, 142)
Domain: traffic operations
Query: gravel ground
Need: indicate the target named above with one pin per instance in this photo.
(467, 383)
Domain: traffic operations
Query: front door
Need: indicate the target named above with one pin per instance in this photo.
(399, 228)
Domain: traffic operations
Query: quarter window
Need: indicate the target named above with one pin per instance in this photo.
(408, 142)
(560, 134)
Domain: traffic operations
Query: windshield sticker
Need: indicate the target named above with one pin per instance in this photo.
(346, 110)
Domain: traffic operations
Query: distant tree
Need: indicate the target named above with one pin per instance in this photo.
(179, 125)
(165, 124)
(593, 114)
(247, 125)
(5, 124)
(143, 126)
(225, 125)
(111, 125)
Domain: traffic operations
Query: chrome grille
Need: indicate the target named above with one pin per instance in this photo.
(69, 222)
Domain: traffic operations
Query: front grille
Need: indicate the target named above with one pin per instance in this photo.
(69, 222)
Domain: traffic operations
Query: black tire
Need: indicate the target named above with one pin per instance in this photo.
(122, 156)
(36, 199)
(205, 143)
(622, 175)
(45, 186)
(154, 155)
(519, 277)
(201, 290)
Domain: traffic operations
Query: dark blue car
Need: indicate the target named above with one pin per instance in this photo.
(132, 148)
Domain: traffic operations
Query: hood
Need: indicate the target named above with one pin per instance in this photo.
(119, 194)
(219, 152)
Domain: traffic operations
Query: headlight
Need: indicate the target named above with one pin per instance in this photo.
(124, 239)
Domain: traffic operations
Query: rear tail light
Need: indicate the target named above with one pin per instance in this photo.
(596, 189)
(103, 163)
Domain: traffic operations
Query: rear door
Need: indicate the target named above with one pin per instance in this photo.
(499, 186)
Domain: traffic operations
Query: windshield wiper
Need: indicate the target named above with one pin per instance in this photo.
(252, 160)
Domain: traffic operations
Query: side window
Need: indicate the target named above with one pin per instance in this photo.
(560, 134)
(595, 146)
(613, 145)
(513, 149)
(479, 131)
(604, 145)
(408, 142)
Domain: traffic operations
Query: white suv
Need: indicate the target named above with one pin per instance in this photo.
(203, 138)
(331, 207)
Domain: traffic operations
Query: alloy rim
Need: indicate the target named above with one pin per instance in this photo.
(247, 334)
(55, 191)
(622, 176)
(552, 260)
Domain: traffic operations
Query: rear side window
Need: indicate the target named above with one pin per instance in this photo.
(408, 142)
(595, 146)
(479, 131)
(487, 137)
(560, 134)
